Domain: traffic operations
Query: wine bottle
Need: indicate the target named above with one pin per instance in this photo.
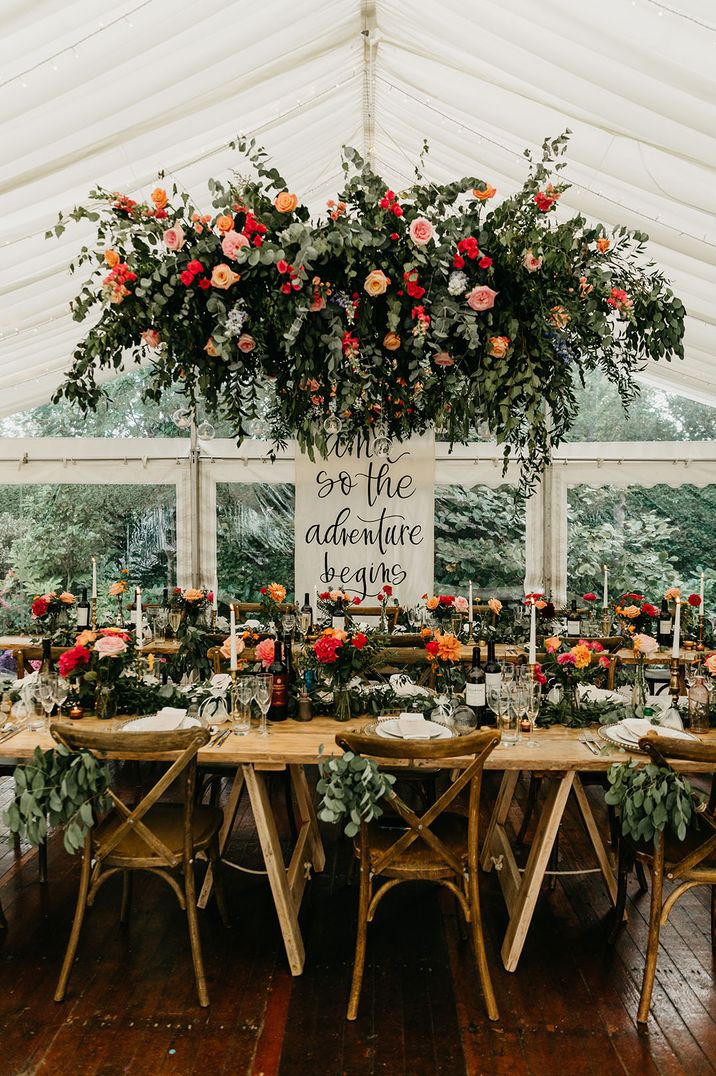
(475, 694)
(279, 698)
(288, 659)
(574, 624)
(46, 659)
(306, 616)
(666, 627)
(493, 669)
(83, 611)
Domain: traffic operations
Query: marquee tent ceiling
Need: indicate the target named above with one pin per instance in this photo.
(96, 94)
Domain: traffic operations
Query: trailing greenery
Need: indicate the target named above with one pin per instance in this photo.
(60, 788)
(351, 787)
(650, 798)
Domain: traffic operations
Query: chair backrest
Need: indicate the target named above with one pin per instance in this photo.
(183, 744)
(476, 747)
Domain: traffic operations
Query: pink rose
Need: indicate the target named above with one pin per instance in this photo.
(481, 298)
(444, 359)
(174, 237)
(461, 605)
(110, 646)
(151, 338)
(421, 231)
(604, 661)
(233, 242)
(246, 343)
(265, 652)
(318, 302)
(531, 262)
(710, 664)
(566, 659)
(225, 648)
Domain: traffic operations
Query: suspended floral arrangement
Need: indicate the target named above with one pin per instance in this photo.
(430, 308)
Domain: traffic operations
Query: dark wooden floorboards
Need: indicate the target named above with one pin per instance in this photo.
(131, 1005)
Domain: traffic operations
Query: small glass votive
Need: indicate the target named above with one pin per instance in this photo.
(509, 726)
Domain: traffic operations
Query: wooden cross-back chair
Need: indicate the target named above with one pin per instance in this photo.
(688, 863)
(151, 836)
(438, 846)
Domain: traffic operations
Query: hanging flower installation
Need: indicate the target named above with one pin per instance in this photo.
(433, 307)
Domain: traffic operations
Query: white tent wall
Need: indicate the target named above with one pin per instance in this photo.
(195, 472)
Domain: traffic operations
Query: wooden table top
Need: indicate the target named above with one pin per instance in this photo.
(292, 742)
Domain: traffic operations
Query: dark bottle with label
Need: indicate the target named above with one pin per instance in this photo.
(475, 693)
(83, 611)
(279, 697)
(288, 658)
(666, 626)
(574, 624)
(493, 669)
(306, 616)
(46, 659)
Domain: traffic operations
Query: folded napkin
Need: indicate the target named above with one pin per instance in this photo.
(173, 714)
(413, 727)
(633, 728)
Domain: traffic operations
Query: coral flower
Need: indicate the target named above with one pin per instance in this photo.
(484, 192)
(499, 346)
(111, 258)
(481, 298)
(276, 592)
(449, 648)
(223, 277)
(376, 283)
(285, 202)
(391, 341)
(225, 223)
(265, 652)
(159, 197)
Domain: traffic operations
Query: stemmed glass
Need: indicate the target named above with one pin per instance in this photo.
(496, 699)
(62, 690)
(263, 693)
(245, 692)
(288, 623)
(46, 690)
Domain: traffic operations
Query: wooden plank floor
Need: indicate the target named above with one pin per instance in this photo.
(131, 1006)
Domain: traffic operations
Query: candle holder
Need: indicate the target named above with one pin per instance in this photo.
(701, 630)
(606, 623)
(94, 614)
(674, 679)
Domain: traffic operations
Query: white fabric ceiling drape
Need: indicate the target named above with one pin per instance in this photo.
(146, 85)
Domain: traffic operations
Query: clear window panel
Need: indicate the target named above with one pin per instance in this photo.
(49, 534)
(255, 537)
(649, 536)
(479, 536)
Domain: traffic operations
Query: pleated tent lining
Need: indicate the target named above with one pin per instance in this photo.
(166, 85)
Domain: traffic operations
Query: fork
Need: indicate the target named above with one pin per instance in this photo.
(587, 743)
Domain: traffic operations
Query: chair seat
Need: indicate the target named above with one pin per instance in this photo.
(166, 821)
(675, 850)
(419, 860)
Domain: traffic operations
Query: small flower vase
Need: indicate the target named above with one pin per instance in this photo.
(191, 615)
(105, 702)
(342, 703)
(638, 691)
(52, 619)
(383, 620)
(63, 619)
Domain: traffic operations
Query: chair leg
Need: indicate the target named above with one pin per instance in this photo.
(217, 873)
(127, 881)
(478, 941)
(532, 794)
(361, 939)
(3, 920)
(194, 939)
(713, 917)
(641, 876)
(76, 923)
(624, 864)
(652, 949)
(42, 861)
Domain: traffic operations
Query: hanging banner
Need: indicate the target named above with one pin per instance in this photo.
(364, 520)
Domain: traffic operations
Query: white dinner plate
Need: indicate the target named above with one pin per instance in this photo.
(390, 730)
(615, 734)
(159, 723)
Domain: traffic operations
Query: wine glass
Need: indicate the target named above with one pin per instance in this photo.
(46, 689)
(263, 693)
(288, 623)
(175, 620)
(62, 690)
(245, 688)
(508, 672)
(496, 699)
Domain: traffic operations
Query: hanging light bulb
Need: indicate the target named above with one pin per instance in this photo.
(381, 443)
(483, 431)
(206, 431)
(182, 417)
(333, 424)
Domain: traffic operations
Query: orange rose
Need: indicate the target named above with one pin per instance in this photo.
(117, 588)
(66, 597)
(85, 638)
(540, 604)
(222, 277)
(432, 603)
(499, 346)
(482, 194)
(376, 283)
(559, 317)
(391, 341)
(111, 257)
(495, 605)
(631, 611)
(552, 644)
(225, 222)
(210, 348)
(193, 595)
(285, 202)
(159, 197)
(603, 244)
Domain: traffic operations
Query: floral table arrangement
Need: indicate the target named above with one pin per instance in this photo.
(51, 611)
(340, 657)
(193, 603)
(94, 666)
(635, 614)
(272, 596)
(566, 667)
(443, 607)
(438, 307)
(337, 603)
(444, 652)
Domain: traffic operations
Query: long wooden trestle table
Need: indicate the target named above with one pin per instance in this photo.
(557, 753)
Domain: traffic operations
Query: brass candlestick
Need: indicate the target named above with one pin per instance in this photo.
(701, 629)
(674, 678)
(234, 709)
(94, 614)
(606, 623)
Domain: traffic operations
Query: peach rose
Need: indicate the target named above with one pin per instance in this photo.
(111, 258)
(672, 594)
(644, 644)
(210, 348)
(265, 652)
(193, 595)
(481, 298)
(151, 338)
(499, 346)
(552, 644)
(174, 238)
(559, 317)
(159, 197)
(531, 262)
(443, 359)
(391, 341)
(225, 223)
(233, 242)
(421, 231)
(631, 611)
(318, 302)
(285, 202)
(710, 664)
(246, 343)
(66, 598)
(376, 283)
(225, 648)
(460, 605)
(432, 603)
(117, 588)
(603, 244)
(110, 646)
(85, 638)
(482, 194)
(540, 604)
(223, 277)
(495, 605)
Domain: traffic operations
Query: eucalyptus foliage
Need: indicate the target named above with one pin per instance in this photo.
(650, 798)
(351, 787)
(298, 324)
(58, 787)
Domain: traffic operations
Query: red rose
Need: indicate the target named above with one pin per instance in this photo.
(359, 640)
(394, 236)
(695, 600)
(446, 599)
(649, 610)
(73, 659)
(589, 597)
(258, 241)
(326, 649)
(396, 209)
(432, 647)
(195, 267)
(282, 266)
(187, 278)
(39, 607)
(387, 589)
(356, 600)
(543, 202)
(604, 661)
(458, 262)
(485, 263)
(286, 289)
(263, 590)
(324, 595)
(204, 283)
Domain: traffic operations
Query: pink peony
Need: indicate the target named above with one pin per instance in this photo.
(265, 651)
(566, 659)
(232, 243)
(531, 261)
(151, 338)
(246, 343)
(461, 605)
(604, 661)
(481, 298)
(174, 237)
(421, 231)
(110, 646)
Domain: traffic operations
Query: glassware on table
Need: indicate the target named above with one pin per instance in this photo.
(46, 687)
(464, 719)
(496, 698)
(511, 716)
(263, 693)
(533, 701)
(175, 620)
(62, 690)
(288, 623)
(699, 708)
(508, 672)
(242, 694)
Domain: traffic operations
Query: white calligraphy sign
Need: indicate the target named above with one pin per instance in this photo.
(364, 520)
